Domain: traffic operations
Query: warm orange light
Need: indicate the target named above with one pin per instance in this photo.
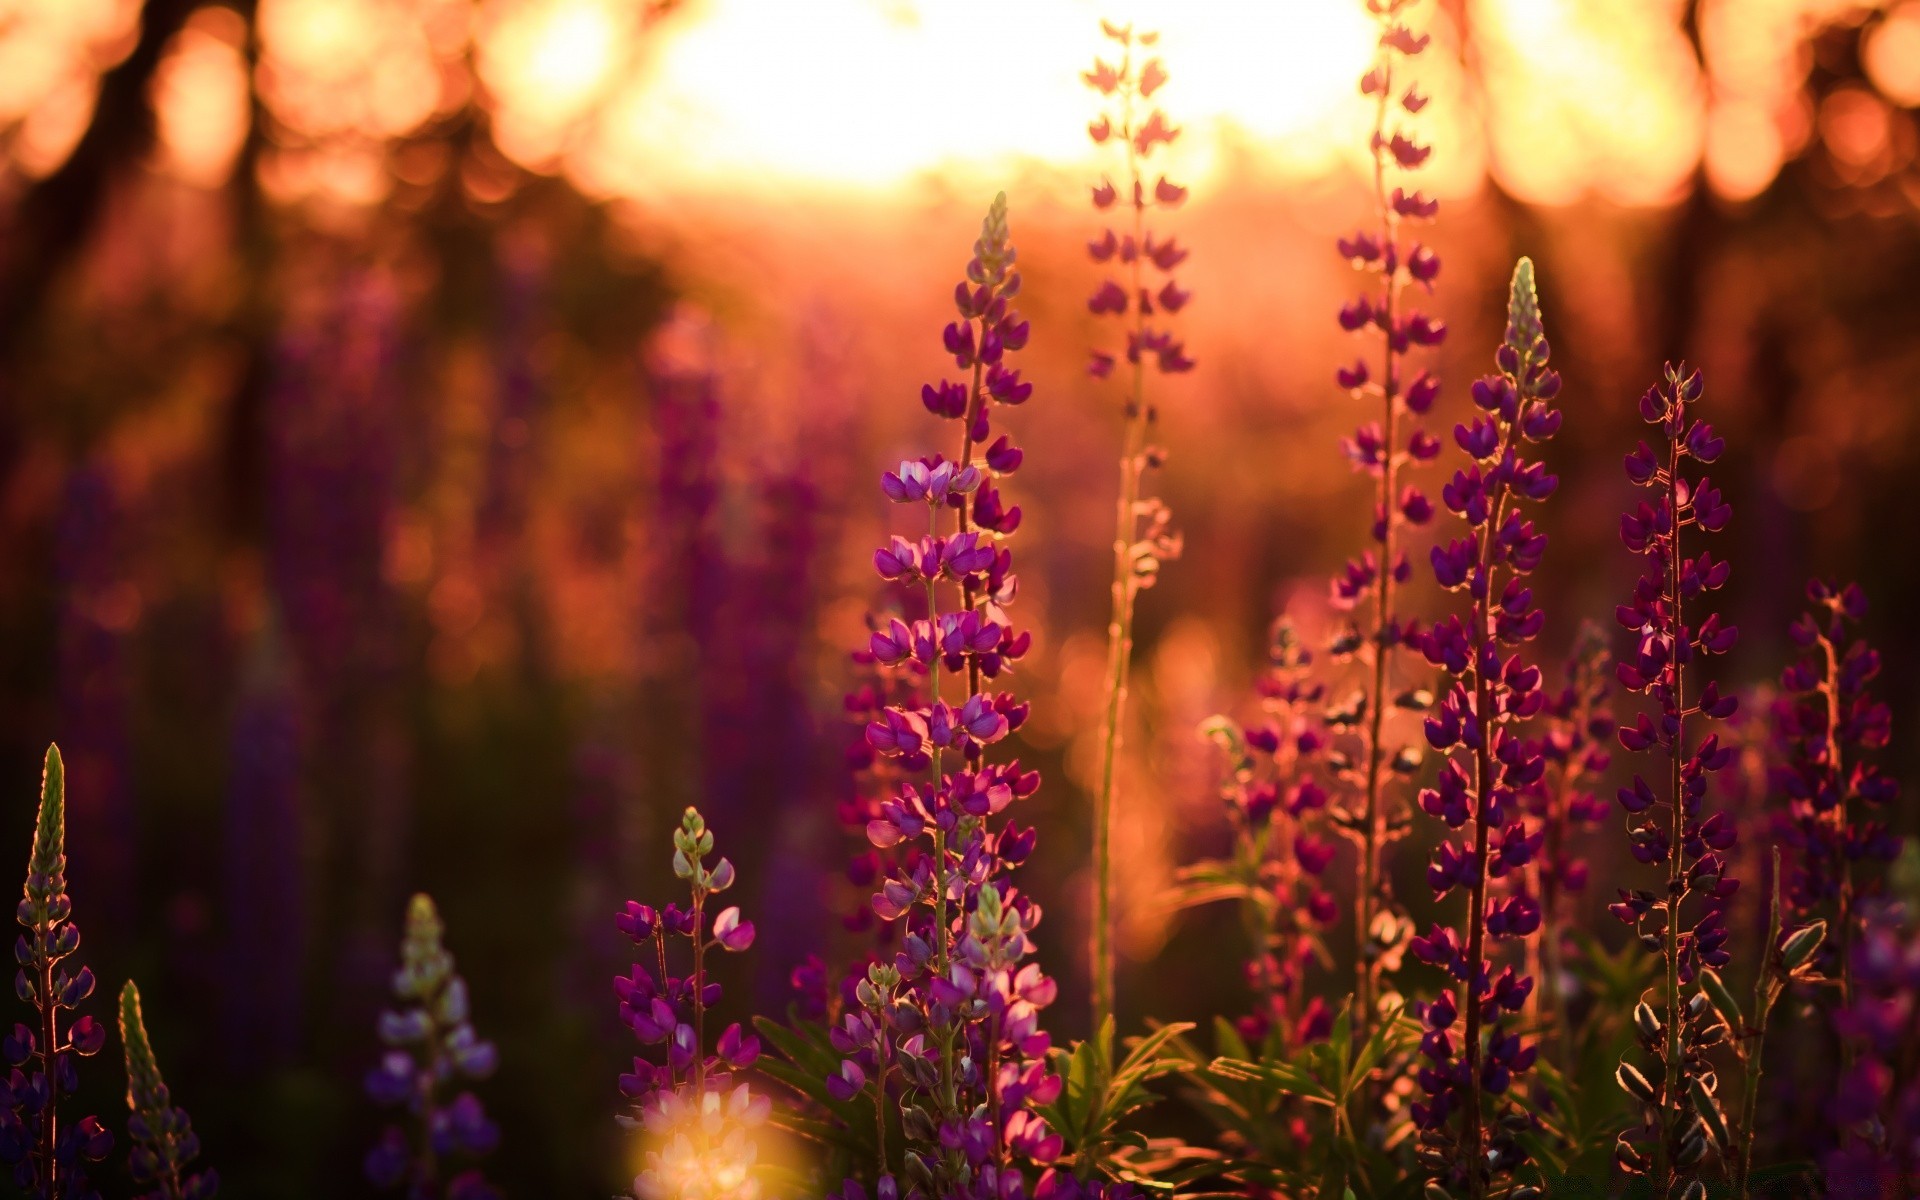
(840, 94)
(1591, 98)
(1892, 55)
(50, 59)
(547, 63)
(200, 97)
(1744, 149)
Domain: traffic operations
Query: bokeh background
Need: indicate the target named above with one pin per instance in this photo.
(438, 442)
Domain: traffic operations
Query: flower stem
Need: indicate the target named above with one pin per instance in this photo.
(1125, 589)
(49, 1059)
(1676, 878)
(1762, 1009)
(1373, 814)
(1836, 771)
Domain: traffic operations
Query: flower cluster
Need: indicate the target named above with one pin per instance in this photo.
(1489, 765)
(1577, 745)
(1877, 1104)
(1384, 447)
(1131, 86)
(698, 1118)
(1143, 538)
(49, 1158)
(1276, 808)
(1667, 825)
(947, 1034)
(430, 1045)
(1824, 724)
(164, 1144)
(873, 778)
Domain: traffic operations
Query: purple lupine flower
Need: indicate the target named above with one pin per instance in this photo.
(1376, 774)
(694, 1109)
(334, 418)
(1276, 807)
(1877, 1105)
(1489, 764)
(430, 1044)
(1825, 724)
(946, 1034)
(49, 1157)
(99, 608)
(265, 864)
(1143, 537)
(1577, 745)
(164, 1144)
(1685, 919)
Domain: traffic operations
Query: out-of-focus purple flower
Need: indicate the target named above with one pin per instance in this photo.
(164, 1144)
(1576, 744)
(698, 1114)
(1826, 725)
(1376, 770)
(265, 864)
(1282, 845)
(1876, 1106)
(431, 1045)
(1143, 538)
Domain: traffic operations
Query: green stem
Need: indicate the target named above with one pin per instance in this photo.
(1125, 589)
(1763, 995)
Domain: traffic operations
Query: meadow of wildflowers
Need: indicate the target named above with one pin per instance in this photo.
(1506, 899)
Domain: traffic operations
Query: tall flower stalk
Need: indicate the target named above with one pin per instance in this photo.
(1824, 727)
(1142, 539)
(1276, 875)
(1489, 763)
(698, 1118)
(1384, 448)
(164, 1143)
(1577, 747)
(947, 1034)
(49, 1158)
(1685, 920)
(430, 1044)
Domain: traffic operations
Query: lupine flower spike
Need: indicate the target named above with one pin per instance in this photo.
(1825, 725)
(1878, 1103)
(49, 1158)
(1276, 808)
(164, 1144)
(1577, 744)
(1142, 539)
(1377, 775)
(698, 1119)
(947, 1034)
(1489, 763)
(1684, 920)
(430, 1045)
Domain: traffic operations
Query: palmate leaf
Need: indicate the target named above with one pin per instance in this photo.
(806, 1059)
(1214, 880)
(1246, 1093)
(1096, 1097)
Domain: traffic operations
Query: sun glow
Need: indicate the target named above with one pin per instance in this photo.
(852, 93)
(642, 99)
